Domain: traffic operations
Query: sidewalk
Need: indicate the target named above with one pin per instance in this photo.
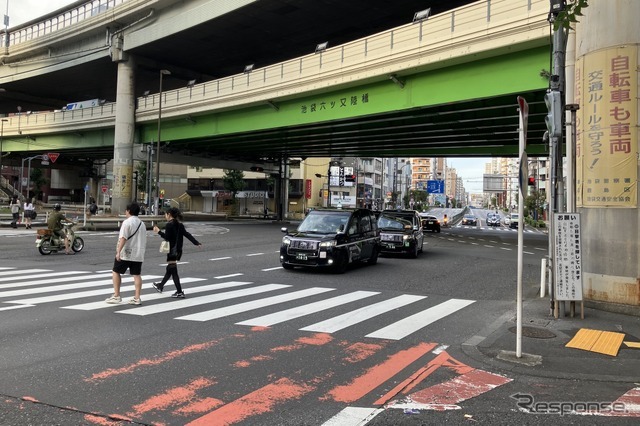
(543, 344)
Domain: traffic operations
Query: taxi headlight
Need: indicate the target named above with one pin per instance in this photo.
(331, 243)
(286, 241)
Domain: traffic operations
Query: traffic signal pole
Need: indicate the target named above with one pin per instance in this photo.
(555, 104)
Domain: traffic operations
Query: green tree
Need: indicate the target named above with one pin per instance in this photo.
(233, 180)
(534, 203)
(569, 16)
(37, 180)
(141, 168)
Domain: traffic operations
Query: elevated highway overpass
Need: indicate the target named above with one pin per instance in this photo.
(444, 86)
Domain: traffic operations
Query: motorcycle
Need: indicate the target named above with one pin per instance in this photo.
(48, 243)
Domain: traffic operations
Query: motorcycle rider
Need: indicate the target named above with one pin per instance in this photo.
(54, 223)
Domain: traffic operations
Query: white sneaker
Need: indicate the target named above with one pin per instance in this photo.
(114, 299)
(134, 301)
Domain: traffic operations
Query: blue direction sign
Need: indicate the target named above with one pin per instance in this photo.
(435, 186)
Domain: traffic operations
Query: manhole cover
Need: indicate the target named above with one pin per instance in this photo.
(534, 332)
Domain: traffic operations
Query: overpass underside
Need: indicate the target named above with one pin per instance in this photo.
(463, 110)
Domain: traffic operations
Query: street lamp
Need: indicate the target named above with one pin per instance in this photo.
(1, 151)
(157, 202)
(19, 115)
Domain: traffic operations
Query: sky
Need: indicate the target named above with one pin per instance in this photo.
(470, 170)
(20, 11)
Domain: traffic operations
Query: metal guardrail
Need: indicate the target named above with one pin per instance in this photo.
(38, 28)
(413, 45)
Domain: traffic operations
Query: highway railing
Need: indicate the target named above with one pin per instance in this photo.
(474, 31)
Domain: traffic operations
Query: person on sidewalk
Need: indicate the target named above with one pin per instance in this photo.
(15, 211)
(29, 210)
(174, 232)
(132, 244)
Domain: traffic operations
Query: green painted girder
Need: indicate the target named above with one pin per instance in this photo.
(464, 108)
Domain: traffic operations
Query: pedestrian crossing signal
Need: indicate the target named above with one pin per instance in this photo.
(532, 181)
(350, 178)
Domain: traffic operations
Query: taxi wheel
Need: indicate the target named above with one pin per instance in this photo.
(340, 266)
(374, 257)
(287, 266)
(414, 252)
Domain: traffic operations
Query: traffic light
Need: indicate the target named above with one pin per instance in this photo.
(256, 169)
(554, 116)
(350, 178)
(532, 181)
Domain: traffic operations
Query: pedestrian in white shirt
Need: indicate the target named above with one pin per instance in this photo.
(132, 243)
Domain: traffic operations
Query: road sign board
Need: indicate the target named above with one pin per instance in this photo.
(53, 156)
(524, 174)
(105, 188)
(435, 186)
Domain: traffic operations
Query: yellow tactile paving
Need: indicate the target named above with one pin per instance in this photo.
(584, 339)
(635, 345)
(604, 342)
(608, 343)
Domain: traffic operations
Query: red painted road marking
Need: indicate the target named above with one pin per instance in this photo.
(150, 362)
(444, 396)
(631, 401)
(172, 397)
(377, 375)
(258, 402)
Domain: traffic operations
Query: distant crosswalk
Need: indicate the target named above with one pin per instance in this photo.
(337, 309)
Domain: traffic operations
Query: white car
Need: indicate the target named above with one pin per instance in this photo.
(512, 220)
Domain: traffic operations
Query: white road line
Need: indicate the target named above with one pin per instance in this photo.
(256, 304)
(528, 252)
(506, 248)
(196, 301)
(76, 295)
(353, 416)
(221, 258)
(254, 254)
(155, 296)
(9, 308)
(54, 280)
(308, 309)
(12, 271)
(413, 323)
(475, 244)
(489, 246)
(272, 269)
(221, 277)
(354, 317)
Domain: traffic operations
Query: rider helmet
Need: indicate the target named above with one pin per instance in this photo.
(57, 207)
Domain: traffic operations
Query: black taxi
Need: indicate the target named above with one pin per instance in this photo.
(401, 232)
(332, 238)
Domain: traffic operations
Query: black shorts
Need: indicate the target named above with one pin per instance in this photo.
(121, 266)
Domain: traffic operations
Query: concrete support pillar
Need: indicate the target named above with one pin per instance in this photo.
(607, 162)
(124, 137)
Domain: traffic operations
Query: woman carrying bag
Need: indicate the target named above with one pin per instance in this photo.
(29, 211)
(173, 232)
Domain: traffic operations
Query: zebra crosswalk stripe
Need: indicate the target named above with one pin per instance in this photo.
(248, 306)
(90, 306)
(308, 309)
(51, 280)
(189, 302)
(4, 272)
(413, 323)
(354, 317)
(76, 295)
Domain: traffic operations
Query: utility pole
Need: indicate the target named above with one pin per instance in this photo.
(554, 120)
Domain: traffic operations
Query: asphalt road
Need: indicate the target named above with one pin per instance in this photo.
(254, 344)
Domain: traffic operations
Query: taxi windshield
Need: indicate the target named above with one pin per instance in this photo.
(324, 223)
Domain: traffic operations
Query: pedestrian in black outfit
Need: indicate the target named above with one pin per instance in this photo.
(173, 232)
